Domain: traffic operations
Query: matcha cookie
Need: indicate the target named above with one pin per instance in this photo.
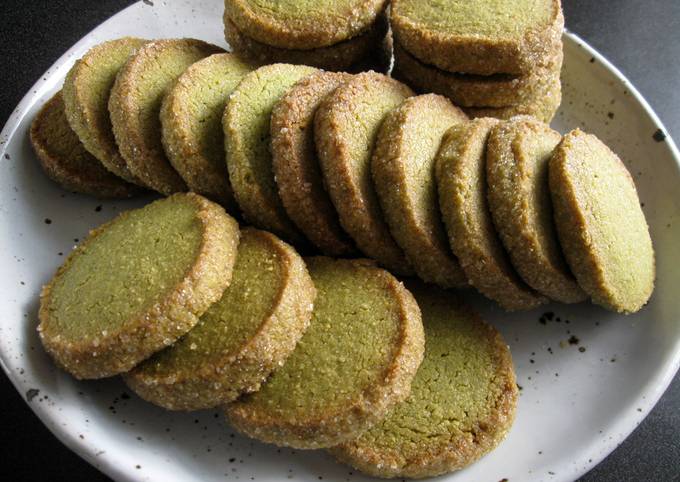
(339, 57)
(355, 361)
(135, 105)
(462, 401)
(303, 24)
(65, 160)
(542, 105)
(296, 166)
(242, 338)
(345, 129)
(600, 224)
(191, 118)
(461, 181)
(499, 90)
(518, 152)
(86, 93)
(137, 284)
(403, 175)
(247, 139)
(482, 37)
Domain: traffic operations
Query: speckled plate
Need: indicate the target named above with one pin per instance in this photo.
(588, 377)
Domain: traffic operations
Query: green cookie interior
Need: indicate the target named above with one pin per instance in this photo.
(348, 343)
(462, 398)
(489, 18)
(247, 140)
(130, 265)
(234, 319)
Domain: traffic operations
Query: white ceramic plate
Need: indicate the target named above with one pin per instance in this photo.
(578, 401)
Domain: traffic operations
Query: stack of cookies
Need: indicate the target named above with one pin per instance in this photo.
(331, 34)
(495, 59)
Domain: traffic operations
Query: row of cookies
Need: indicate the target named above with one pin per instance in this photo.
(494, 59)
(362, 155)
(317, 156)
(340, 35)
(148, 115)
(532, 215)
(105, 135)
(196, 313)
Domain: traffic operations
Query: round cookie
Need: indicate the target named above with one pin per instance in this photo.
(242, 338)
(136, 285)
(66, 161)
(518, 152)
(482, 37)
(460, 171)
(500, 90)
(403, 175)
(86, 93)
(338, 57)
(462, 403)
(345, 146)
(296, 166)
(191, 120)
(246, 125)
(303, 24)
(135, 104)
(542, 105)
(600, 224)
(355, 361)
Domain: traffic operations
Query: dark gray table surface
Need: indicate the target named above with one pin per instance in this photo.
(641, 38)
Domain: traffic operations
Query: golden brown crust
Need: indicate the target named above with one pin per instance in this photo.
(65, 160)
(461, 181)
(176, 311)
(186, 148)
(90, 120)
(600, 224)
(137, 130)
(348, 178)
(402, 167)
(543, 105)
(500, 90)
(296, 166)
(337, 57)
(391, 387)
(460, 450)
(244, 369)
(306, 29)
(477, 54)
(518, 152)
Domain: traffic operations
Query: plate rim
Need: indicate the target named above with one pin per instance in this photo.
(620, 430)
(45, 82)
